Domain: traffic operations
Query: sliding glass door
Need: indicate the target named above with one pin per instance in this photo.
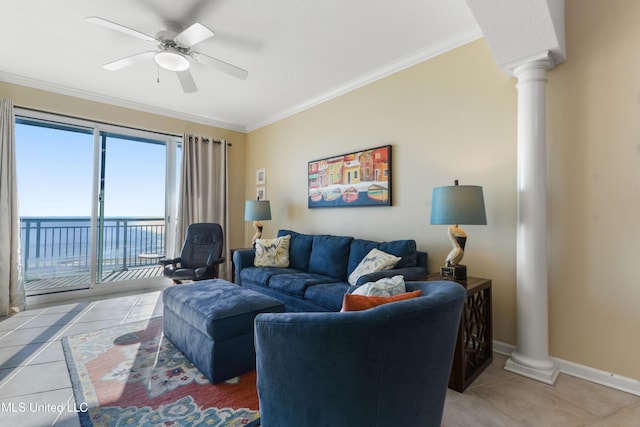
(132, 191)
(97, 203)
(55, 175)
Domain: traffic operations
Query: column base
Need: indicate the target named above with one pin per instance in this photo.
(544, 371)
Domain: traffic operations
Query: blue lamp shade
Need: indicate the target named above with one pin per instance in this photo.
(458, 204)
(256, 210)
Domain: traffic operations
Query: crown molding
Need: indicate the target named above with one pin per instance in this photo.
(375, 75)
(91, 96)
(378, 74)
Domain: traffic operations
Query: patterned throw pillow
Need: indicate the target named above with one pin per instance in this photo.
(272, 252)
(374, 261)
(353, 302)
(385, 287)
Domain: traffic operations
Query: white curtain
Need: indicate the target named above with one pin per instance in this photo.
(204, 188)
(12, 295)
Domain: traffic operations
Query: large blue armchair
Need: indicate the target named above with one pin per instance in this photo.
(385, 366)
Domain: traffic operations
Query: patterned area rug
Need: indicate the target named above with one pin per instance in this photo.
(132, 375)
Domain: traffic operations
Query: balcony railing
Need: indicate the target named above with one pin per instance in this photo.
(58, 247)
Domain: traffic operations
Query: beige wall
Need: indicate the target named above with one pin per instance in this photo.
(454, 117)
(51, 102)
(594, 171)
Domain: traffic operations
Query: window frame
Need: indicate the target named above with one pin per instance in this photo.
(172, 142)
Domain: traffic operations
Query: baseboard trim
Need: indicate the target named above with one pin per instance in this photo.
(100, 290)
(607, 379)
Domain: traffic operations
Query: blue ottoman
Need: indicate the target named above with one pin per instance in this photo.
(211, 322)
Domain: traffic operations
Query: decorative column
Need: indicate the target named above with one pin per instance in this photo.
(531, 357)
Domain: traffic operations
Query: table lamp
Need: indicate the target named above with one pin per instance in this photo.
(257, 210)
(457, 204)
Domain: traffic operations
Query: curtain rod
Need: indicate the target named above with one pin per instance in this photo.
(207, 140)
(97, 121)
(107, 123)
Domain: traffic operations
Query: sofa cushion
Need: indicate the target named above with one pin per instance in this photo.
(385, 287)
(361, 302)
(405, 249)
(272, 252)
(261, 275)
(297, 283)
(359, 249)
(330, 255)
(327, 295)
(299, 249)
(375, 260)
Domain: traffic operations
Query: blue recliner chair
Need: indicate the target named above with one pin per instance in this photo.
(201, 254)
(385, 366)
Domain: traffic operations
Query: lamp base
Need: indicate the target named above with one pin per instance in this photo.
(454, 272)
(258, 226)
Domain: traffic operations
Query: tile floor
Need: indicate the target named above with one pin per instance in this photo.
(35, 389)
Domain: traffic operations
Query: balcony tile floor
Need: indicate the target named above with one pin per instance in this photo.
(34, 379)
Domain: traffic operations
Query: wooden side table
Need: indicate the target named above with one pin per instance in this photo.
(474, 344)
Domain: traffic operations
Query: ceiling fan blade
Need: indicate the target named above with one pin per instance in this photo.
(121, 28)
(193, 35)
(220, 65)
(129, 60)
(186, 80)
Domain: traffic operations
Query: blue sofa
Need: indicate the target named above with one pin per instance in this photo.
(316, 279)
(386, 366)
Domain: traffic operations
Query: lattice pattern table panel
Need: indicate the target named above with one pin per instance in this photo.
(474, 346)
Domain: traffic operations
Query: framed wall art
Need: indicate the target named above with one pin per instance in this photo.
(361, 178)
(261, 176)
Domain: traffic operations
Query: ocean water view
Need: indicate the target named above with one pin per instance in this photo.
(68, 166)
(61, 246)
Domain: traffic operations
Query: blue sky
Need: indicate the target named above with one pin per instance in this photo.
(55, 173)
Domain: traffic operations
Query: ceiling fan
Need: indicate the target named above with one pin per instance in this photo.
(173, 51)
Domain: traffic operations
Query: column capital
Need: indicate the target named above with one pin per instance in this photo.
(541, 61)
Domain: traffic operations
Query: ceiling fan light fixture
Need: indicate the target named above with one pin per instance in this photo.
(172, 61)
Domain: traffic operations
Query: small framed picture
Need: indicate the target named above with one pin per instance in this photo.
(261, 176)
(261, 193)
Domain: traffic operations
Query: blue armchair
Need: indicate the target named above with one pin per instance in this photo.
(201, 254)
(385, 366)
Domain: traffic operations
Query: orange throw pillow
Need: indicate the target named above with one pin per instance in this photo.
(361, 302)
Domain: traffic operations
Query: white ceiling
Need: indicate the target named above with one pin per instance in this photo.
(298, 52)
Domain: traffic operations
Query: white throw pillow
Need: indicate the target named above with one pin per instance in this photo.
(385, 287)
(374, 261)
(272, 252)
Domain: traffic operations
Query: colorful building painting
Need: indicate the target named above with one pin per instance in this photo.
(366, 165)
(313, 176)
(381, 165)
(334, 170)
(361, 178)
(352, 171)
